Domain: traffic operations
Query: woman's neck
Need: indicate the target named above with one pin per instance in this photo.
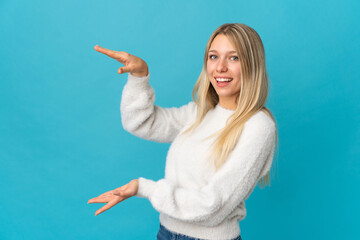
(228, 103)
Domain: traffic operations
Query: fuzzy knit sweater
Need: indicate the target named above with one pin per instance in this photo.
(193, 199)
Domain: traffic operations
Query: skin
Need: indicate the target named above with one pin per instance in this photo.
(137, 67)
(223, 61)
(113, 197)
(134, 65)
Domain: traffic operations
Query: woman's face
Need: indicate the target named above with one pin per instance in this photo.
(224, 71)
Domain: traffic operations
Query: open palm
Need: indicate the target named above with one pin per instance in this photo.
(115, 196)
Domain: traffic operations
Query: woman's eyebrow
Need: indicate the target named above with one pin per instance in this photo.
(213, 50)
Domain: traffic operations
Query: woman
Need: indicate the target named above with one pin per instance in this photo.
(222, 143)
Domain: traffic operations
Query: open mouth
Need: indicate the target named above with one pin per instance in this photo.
(223, 80)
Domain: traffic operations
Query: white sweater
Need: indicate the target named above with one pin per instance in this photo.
(192, 198)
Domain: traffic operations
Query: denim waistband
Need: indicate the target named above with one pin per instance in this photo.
(166, 234)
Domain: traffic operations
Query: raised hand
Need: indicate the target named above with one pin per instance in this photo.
(115, 196)
(134, 65)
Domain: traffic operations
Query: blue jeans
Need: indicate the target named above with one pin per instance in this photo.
(166, 234)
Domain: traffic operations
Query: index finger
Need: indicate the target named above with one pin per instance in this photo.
(102, 197)
(105, 51)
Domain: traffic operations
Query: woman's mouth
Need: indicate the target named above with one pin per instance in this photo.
(223, 81)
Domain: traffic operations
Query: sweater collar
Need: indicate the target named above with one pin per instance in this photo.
(223, 109)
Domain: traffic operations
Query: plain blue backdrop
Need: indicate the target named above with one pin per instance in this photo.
(61, 139)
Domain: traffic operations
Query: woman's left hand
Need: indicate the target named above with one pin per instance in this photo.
(115, 196)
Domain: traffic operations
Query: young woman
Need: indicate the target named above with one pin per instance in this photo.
(222, 143)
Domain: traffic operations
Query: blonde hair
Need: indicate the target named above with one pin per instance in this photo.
(252, 96)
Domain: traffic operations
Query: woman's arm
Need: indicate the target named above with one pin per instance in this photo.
(138, 113)
(142, 118)
(229, 186)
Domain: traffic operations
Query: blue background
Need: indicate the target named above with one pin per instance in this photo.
(62, 142)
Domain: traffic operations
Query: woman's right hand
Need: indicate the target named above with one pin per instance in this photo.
(134, 65)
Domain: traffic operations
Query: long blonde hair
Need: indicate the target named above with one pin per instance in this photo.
(252, 96)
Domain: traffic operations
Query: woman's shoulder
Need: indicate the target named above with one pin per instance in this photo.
(191, 105)
(261, 121)
(189, 109)
(183, 114)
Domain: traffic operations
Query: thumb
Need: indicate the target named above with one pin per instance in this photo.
(124, 69)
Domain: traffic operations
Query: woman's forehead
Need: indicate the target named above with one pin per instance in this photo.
(222, 44)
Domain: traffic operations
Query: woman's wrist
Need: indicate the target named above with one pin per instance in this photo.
(141, 74)
(142, 70)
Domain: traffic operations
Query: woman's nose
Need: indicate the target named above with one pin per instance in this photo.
(221, 66)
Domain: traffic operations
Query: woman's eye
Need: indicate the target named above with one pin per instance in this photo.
(234, 58)
(212, 57)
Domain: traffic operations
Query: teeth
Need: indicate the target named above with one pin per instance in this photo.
(223, 79)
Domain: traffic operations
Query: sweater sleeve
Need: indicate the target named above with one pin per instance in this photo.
(227, 188)
(142, 118)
